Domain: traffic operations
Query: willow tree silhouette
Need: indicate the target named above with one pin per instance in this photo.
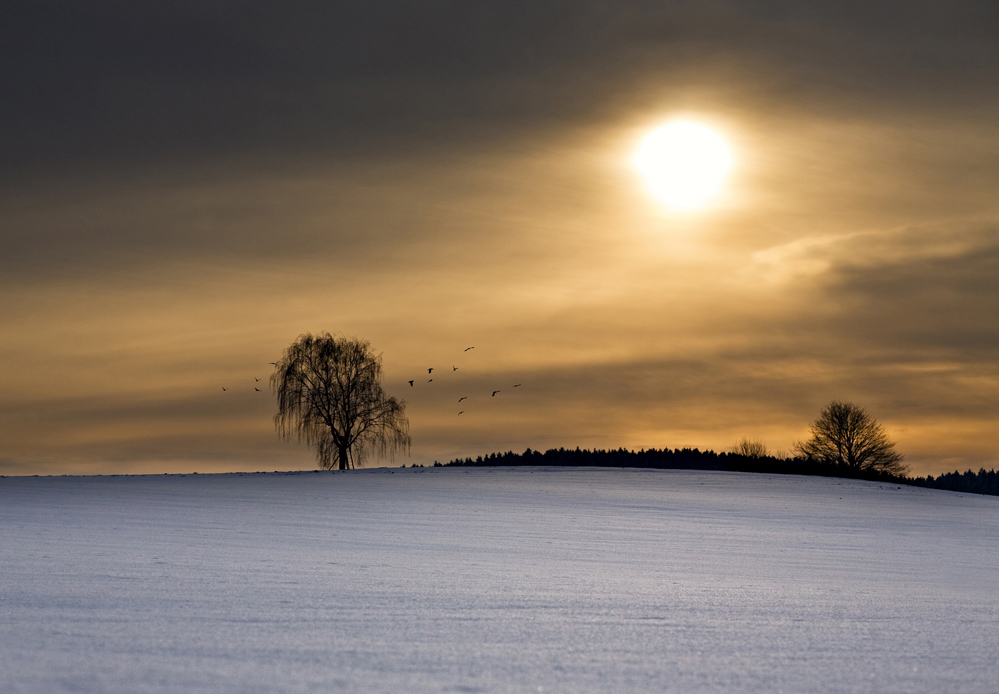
(330, 395)
(848, 436)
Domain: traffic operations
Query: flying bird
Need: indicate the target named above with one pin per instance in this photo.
(273, 363)
(463, 398)
(468, 348)
(454, 368)
(430, 381)
(518, 385)
(494, 394)
(223, 389)
(410, 384)
(430, 371)
(256, 379)
(257, 389)
(461, 413)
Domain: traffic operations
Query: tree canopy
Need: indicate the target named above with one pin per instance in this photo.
(330, 396)
(847, 435)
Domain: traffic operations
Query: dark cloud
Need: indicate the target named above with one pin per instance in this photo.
(91, 230)
(941, 303)
(114, 81)
(930, 292)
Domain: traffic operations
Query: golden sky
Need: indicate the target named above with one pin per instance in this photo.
(184, 190)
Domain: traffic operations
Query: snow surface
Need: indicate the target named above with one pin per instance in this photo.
(495, 580)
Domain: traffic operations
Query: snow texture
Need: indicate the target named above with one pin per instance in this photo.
(496, 580)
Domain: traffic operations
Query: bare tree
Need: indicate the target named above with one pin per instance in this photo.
(847, 435)
(330, 395)
(751, 448)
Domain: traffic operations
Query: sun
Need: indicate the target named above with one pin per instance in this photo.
(684, 164)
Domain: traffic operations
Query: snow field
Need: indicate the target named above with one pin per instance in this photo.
(495, 580)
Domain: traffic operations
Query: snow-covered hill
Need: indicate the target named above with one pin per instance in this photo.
(495, 580)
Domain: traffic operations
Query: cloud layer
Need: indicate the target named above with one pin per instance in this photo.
(186, 189)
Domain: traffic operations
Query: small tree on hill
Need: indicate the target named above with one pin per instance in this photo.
(330, 395)
(847, 435)
(751, 448)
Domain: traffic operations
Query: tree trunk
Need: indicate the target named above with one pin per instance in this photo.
(344, 460)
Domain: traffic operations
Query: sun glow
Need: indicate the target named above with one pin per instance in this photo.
(684, 164)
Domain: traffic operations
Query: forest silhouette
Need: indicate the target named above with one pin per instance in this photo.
(982, 482)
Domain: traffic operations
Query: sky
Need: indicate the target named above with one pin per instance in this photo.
(186, 188)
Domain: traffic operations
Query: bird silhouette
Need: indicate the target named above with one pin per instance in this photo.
(273, 363)
(223, 389)
(410, 384)
(494, 394)
(256, 379)
(430, 371)
(454, 368)
(461, 413)
(468, 348)
(463, 398)
(518, 385)
(257, 389)
(430, 381)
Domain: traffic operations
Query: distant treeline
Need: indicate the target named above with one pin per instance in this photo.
(982, 482)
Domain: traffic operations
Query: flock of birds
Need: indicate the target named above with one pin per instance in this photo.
(430, 371)
(412, 383)
(256, 380)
